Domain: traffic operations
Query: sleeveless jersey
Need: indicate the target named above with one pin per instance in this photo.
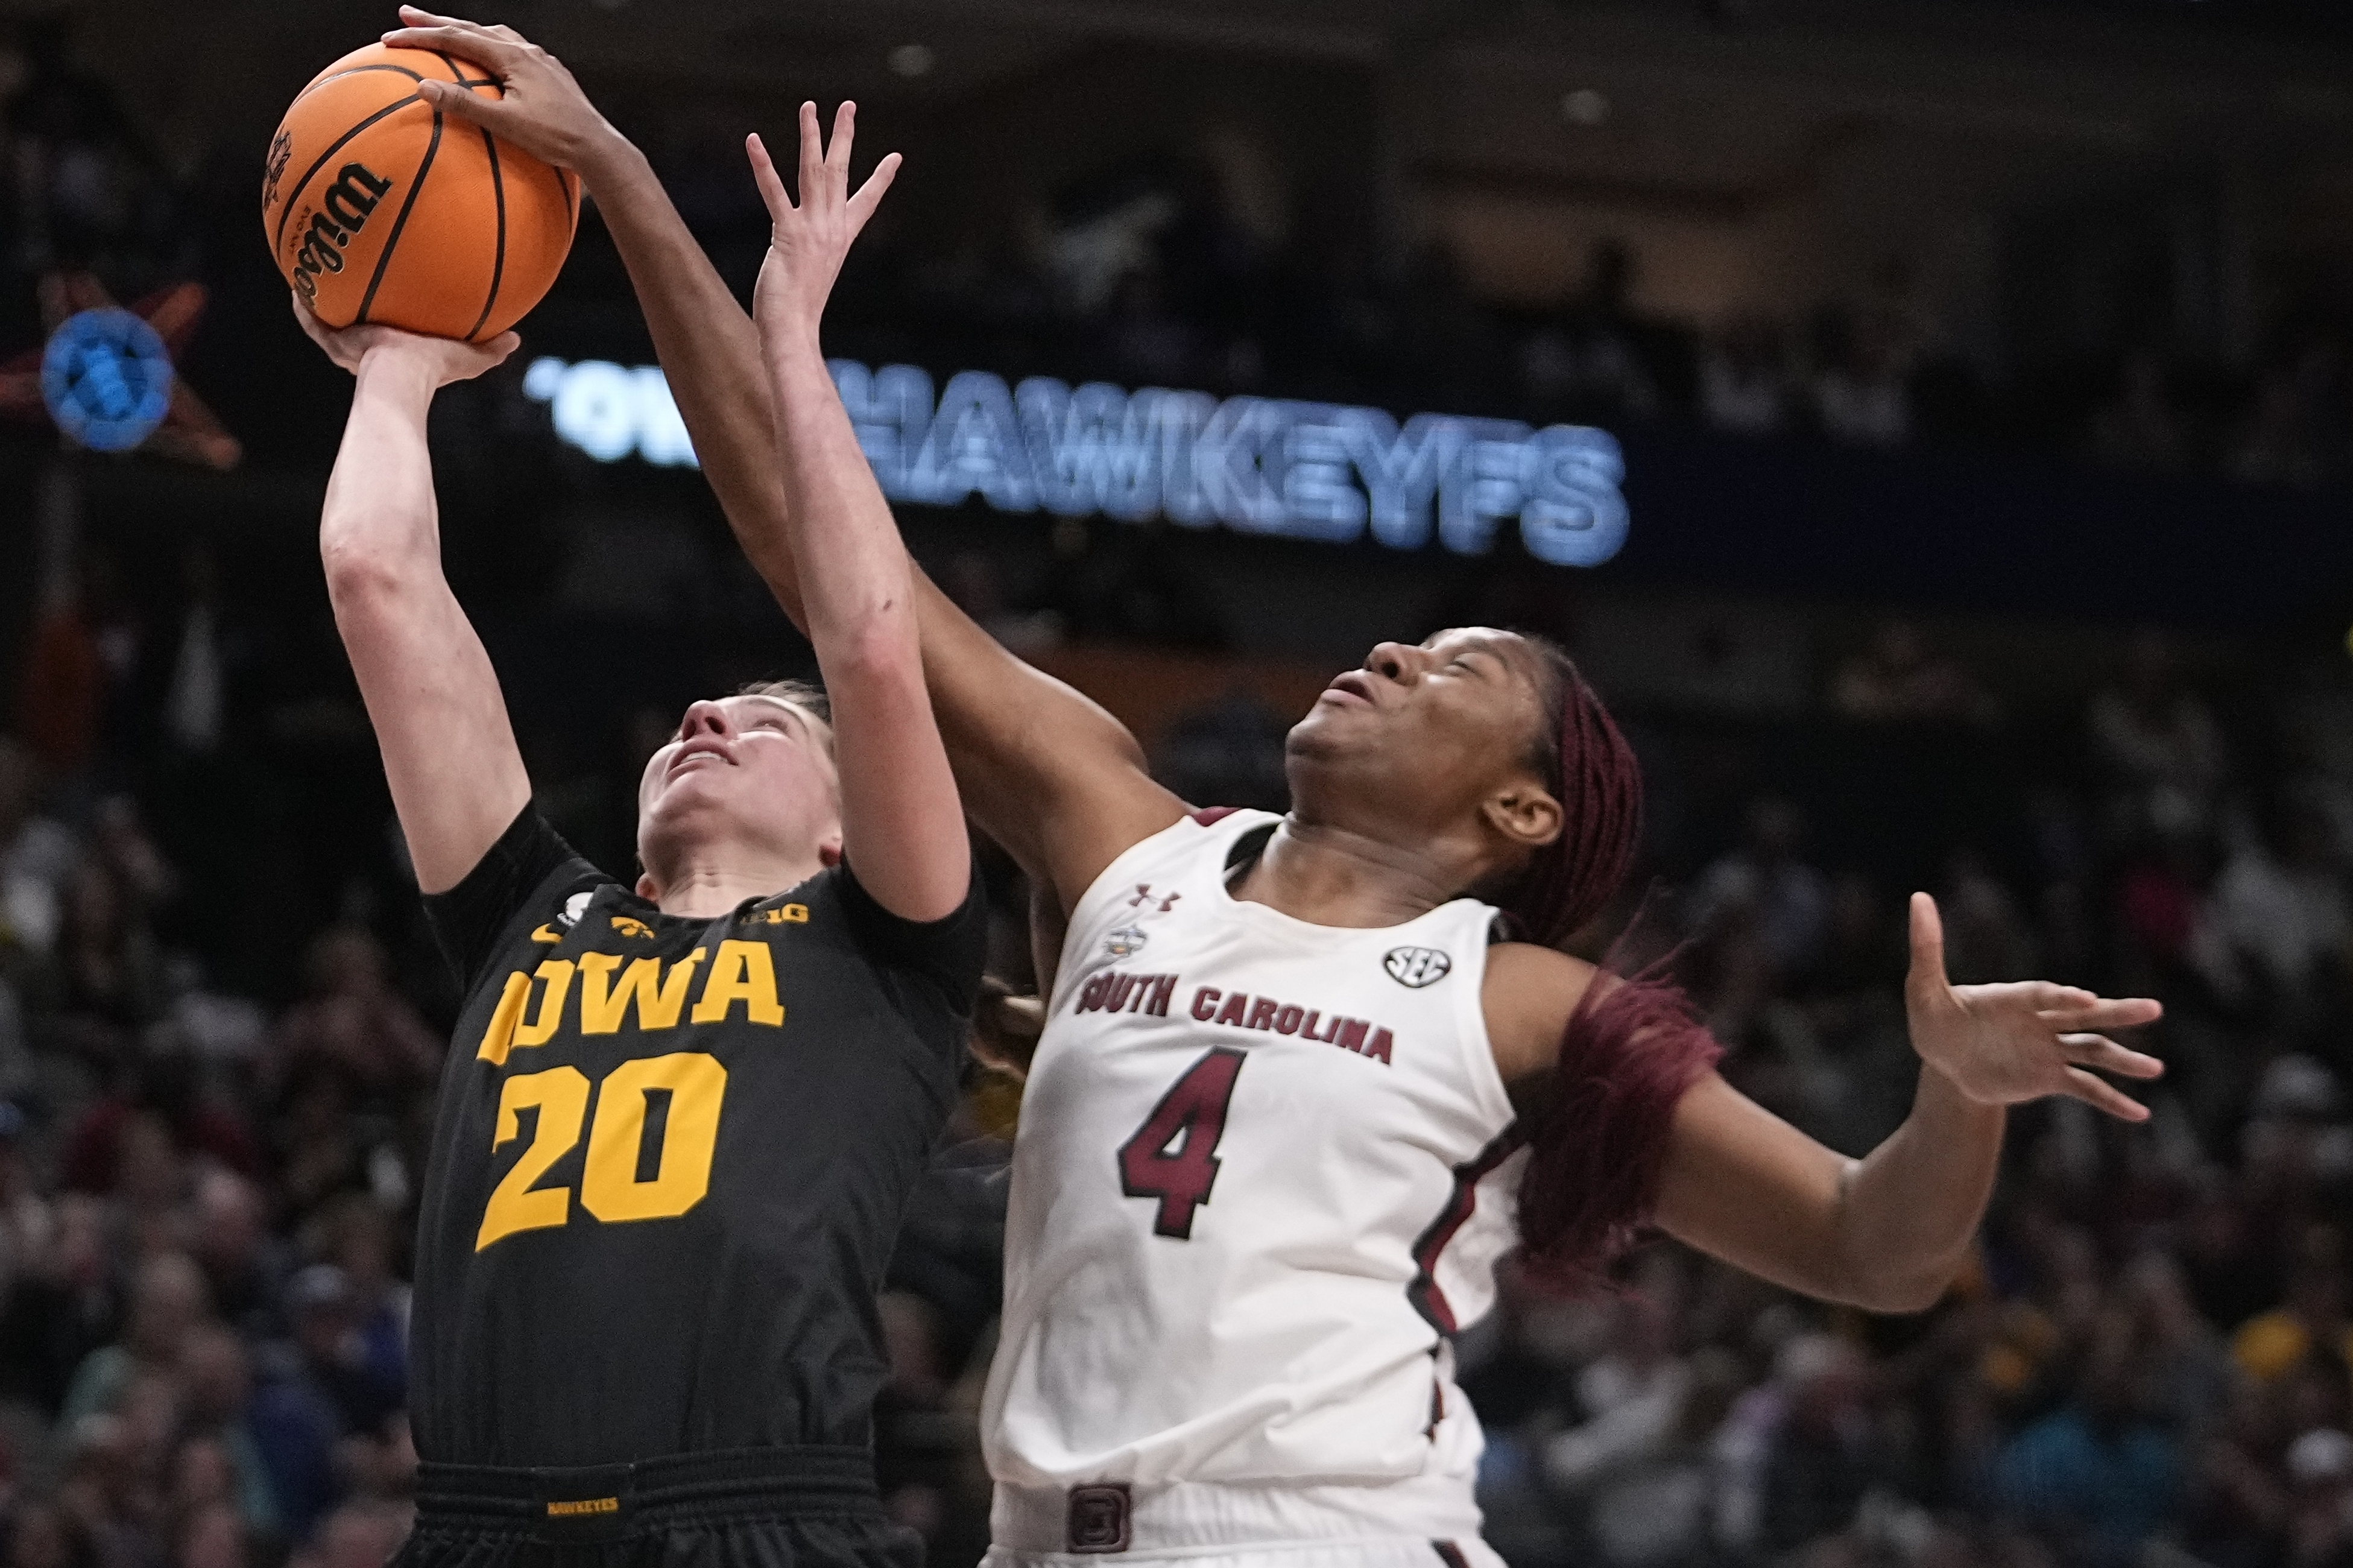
(669, 1160)
(1264, 1173)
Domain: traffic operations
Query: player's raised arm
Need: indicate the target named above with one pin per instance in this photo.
(1028, 750)
(902, 828)
(1888, 1232)
(457, 781)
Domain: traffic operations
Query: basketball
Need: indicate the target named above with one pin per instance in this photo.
(380, 208)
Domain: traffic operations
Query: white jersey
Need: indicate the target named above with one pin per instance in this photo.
(1264, 1171)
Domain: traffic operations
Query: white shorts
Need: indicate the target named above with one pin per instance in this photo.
(1431, 1522)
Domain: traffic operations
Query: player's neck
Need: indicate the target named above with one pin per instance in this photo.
(703, 887)
(1332, 875)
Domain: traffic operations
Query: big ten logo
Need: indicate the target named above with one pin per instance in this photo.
(326, 233)
(609, 994)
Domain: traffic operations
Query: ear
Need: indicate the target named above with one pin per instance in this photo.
(829, 852)
(1525, 814)
(647, 890)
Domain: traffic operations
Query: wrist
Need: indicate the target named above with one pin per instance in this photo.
(1941, 1093)
(396, 367)
(607, 158)
(789, 338)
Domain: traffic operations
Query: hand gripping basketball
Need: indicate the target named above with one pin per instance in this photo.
(386, 198)
(540, 107)
(443, 359)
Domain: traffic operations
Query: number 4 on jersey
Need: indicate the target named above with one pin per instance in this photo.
(1191, 1115)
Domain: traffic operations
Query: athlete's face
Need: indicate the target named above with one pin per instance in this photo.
(750, 772)
(1429, 734)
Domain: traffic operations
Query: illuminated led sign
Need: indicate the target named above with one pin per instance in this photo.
(1257, 465)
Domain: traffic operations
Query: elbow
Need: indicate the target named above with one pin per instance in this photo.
(1892, 1293)
(881, 650)
(360, 573)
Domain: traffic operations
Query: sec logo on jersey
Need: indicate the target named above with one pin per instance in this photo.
(1416, 967)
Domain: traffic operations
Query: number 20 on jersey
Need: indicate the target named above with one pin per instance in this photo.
(622, 1178)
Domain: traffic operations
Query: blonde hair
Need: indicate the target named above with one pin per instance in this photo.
(806, 696)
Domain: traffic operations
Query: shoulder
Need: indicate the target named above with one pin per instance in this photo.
(1173, 849)
(949, 952)
(528, 887)
(1529, 995)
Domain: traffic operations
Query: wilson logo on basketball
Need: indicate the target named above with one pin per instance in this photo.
(345, 212)
(1416, 967)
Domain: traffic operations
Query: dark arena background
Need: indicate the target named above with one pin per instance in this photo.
(1929, 422)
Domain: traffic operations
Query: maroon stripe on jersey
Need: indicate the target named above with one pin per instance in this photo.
(1213, 815)
(1426, 1297)
(1450, 1554)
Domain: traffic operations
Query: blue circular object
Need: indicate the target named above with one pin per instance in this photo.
(107, 379)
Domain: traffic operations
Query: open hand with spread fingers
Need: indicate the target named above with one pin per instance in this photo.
(2023, 1040)
(807, 242)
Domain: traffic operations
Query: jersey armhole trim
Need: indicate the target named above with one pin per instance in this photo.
(532, 910)
(1078, 930)
(1424, 1292)
(1485, 1079)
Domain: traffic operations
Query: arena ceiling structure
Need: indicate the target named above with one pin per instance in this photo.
(1705, 104)
(2171, 57)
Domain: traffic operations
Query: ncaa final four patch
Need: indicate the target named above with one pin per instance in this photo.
(1125, 940)
(1416, 967)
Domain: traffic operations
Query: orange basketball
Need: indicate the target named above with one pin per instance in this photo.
(380, 208)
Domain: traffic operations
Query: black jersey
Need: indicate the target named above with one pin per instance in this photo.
(669, 1160)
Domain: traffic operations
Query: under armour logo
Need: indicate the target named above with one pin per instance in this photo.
(1144, 896)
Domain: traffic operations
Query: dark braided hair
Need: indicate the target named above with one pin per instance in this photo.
(1589, 768)
(1598, 1134)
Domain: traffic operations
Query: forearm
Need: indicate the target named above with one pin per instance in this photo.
(857, 597)
(710, 352)
(379, 516)
(1909, 1210)
(449, 757)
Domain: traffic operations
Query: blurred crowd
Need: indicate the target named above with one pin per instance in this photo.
(205, 1210)
(207, 1181)
(221, 1021)
(1153, 271)
(1166, 285)
(2150, 1359)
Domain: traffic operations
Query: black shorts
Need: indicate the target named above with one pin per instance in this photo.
(756, 1508)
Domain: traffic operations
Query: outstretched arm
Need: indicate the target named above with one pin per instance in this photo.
(1046, 772)
(902, 828)
(450, 753)
(1890, 1231)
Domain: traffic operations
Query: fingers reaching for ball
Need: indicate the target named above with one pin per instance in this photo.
(779, 202)
(824, 173)
(538, 106)
(444, 359)
(808, 238)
